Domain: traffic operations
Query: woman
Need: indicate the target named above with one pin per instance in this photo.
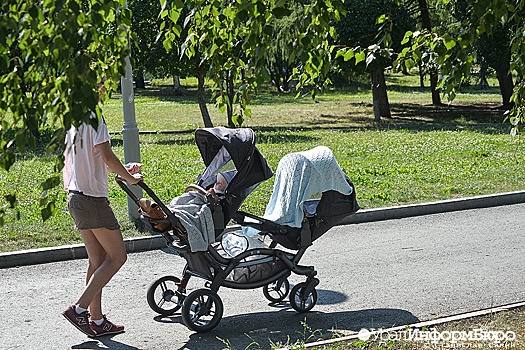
(88, 158)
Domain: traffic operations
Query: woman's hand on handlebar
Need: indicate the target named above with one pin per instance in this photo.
(136, 178)
(132, 179)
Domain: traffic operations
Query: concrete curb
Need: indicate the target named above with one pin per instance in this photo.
(404, 211)
(74, 251)
(77, 251)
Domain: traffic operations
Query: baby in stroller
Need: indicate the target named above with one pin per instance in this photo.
(198, 212)
(220, 185)
(153, 211)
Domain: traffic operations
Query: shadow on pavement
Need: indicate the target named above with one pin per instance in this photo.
(105, 342)
(285, 326)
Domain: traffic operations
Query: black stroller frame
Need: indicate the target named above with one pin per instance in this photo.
(202, 309)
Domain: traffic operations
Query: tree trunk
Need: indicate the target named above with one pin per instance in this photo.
(230, 98)
(139, 80)
(436, 99)
(506, 86)
(276, 80)
(483, 83)
(202, 102)
(379, 95)
(176, 85)
(286, 78)
(421, 76)
(425, 22)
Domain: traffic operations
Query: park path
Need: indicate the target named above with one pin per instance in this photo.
(373, 275)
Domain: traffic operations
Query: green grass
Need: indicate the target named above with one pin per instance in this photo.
(424, 153)
(504, 321)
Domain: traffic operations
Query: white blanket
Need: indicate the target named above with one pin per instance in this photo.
(298, 177)
(196, 217)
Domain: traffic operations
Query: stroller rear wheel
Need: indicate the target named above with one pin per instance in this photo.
(277, 291)
(165, 296)
(202, 310)
(302, 300)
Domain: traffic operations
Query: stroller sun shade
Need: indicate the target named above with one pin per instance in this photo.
(218, 146)
(299, 176)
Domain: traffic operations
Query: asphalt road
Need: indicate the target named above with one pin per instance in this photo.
(373, 275)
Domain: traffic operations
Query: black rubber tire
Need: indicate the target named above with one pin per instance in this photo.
(164, 296)
(202, 310)
(275, 293)
(301, 302)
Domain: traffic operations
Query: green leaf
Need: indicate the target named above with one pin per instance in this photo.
(406, 38)
(382, 19)
(359, 57)
(349, 54)
(50, 182)
(11, 198)
(409, 63)
(242, 16)
(449, 43)
(48, 211)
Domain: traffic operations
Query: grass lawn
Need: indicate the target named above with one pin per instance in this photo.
(507, 327)
(423, 153)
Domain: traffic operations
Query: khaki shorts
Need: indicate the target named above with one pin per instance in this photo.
(91, 212)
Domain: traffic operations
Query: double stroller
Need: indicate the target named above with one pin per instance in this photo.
(258, 251)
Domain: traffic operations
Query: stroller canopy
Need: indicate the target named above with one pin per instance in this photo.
(218, 146)
(299, 176)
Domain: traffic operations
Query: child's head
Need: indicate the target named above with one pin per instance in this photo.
(223, 179)
(221, 183)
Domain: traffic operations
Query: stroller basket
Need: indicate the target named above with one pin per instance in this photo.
(255, 271)
(253, 268)
(198, 264)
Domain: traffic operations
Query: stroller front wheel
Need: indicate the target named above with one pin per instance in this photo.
(202, 310)
(301, 300)
(165, 295)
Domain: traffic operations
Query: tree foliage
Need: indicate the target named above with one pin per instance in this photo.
(369, 25)
(283, 38)
(492, 49)
(231, 39)
(368, 37)
(147, 54)
(456, 54)
(52, 56)
(54, 53)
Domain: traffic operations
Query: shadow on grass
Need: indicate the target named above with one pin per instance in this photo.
(272, 135)
(408, 112)
(269, 94)
(485, 118)
(167, 94)
(456, 113)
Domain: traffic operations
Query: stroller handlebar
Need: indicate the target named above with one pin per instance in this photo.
(124, 185)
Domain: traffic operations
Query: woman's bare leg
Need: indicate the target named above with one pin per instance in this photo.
(107, 254)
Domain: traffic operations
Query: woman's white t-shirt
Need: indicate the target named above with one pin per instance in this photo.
(84, 168)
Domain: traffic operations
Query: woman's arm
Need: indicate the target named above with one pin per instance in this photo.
(115, 165)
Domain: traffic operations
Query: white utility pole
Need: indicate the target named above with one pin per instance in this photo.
(130, 133)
